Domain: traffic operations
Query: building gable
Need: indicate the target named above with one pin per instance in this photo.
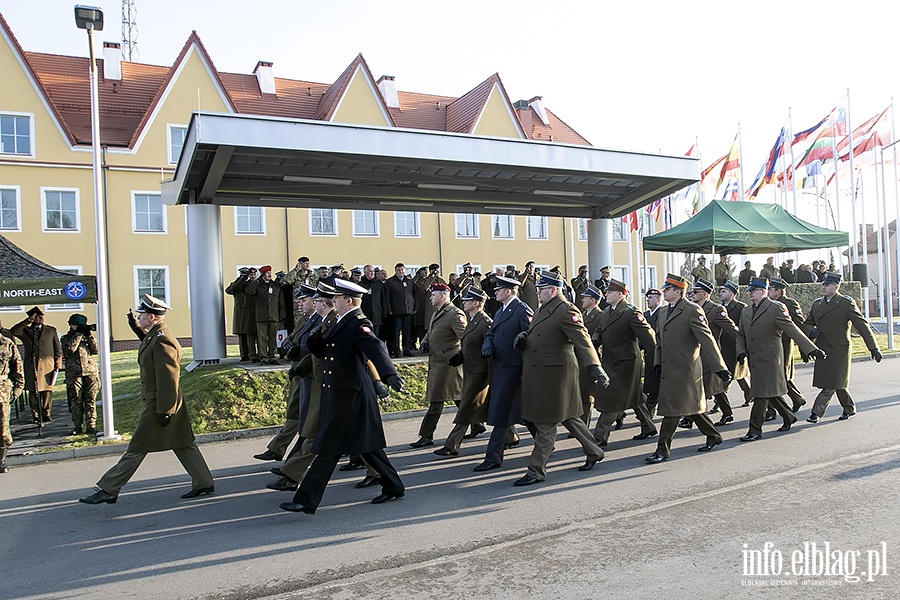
(485, 110)
(354, 98)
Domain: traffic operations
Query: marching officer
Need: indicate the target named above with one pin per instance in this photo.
(441, 342)
(82, 377)
(759, 343)
(349, 419)
(735, 309)
(476, 375)
(164, 423)
(778, 291)
(43, 360)
(555, 346)
(12, 382)
(724, 332)
(829, 324)
(683, 343)
(653, 298)
(590, 297)
(269, 311)
(622, 331)
(505, 406)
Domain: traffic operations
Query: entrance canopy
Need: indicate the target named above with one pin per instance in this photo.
(26, 280)
(744, 228)
(245, 160)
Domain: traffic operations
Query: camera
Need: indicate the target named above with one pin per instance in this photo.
(244, 271)
(86, 329)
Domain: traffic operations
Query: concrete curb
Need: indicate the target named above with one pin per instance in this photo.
(204, 438)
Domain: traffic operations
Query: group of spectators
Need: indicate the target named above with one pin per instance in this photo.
(805, 273)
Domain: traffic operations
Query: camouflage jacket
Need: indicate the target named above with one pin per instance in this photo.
(12, 372)
(78, 355)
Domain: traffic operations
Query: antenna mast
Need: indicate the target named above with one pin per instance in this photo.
(129, 30)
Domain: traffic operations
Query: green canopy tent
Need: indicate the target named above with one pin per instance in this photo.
(744, 228)
(26, 280)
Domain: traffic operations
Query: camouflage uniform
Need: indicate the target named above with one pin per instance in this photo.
(82, 379)
(12, 382)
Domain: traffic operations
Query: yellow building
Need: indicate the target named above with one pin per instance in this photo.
(46, 184)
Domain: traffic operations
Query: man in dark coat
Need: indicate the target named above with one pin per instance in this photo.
(734, 308)
(164, 423)
(239, 321)
(623, 330)
(269, 313)
(745, 274)
(653, 297)
(505, 406)
(373, 303)
(580, 282)
(556, 346)
(349, 420)
(43, 360)
(590, 298)
(476, 375)
(778, 291)
(759, 343)
(683, 341)
(401, 301)
(828, 323)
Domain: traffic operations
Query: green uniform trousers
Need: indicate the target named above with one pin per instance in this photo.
(189, 457)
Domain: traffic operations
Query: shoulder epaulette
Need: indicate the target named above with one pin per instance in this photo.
(360, 316)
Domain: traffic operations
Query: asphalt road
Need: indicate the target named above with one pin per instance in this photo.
(697, 526)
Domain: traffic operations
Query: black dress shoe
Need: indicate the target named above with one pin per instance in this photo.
(714, 410)
(486, 466)
(526, 480)
(620, 423)
(745, 404)
(603, 444)
(99, 497)
(770, 416)
(267, 455)
(285, 484)
(422, 442)
(644, 436)
(395, 355)
(199, 492)
(785, 427)
(798, 406)
(707, 446)
(686, 423)
(368, 481)
(277, 471)
(511, 445)
(446, 452)
(296, 507)
(76, 431)
(751, 437)
(589, 464)
(813, 418)
(725, 420)
(846, 416)
(475, 432)
(352, 466)
(656, 458)
(382, 498)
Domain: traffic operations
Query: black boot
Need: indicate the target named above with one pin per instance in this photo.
(3, 467)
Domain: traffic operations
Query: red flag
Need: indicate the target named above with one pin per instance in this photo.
(732, 162)
(709, 169)
(861, 132)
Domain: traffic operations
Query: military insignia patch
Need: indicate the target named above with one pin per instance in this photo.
(798, 311)
(460, 317)
(640, 317)
(786, 313)
(574, 318)
(529, 318)
(701, 317)
(724, 314)
(366, 329)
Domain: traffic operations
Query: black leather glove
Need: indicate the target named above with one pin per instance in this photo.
(293, 372)
(658, 370)
(132, 321)
(818, 354)
(519, 341)
(286, 345)
(599, 375)
(424, 346)
(725, 376)
(455, 360)
(742, 357)
(394, 382)
(876, 354)
(381, 390)
(814, 333)
(487, 352)
(164, 420)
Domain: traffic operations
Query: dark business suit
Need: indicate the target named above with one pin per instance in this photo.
(505, 405)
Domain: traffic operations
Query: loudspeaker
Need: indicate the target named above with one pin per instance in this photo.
(860, 272)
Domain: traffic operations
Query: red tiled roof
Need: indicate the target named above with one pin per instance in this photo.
(462, 112)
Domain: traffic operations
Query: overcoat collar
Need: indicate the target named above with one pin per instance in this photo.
(610, 315)
(547, 310)
(763, 307)
(672, 312)
(152, 333)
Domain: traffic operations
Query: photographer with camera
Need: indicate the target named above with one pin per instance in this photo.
(82, 377)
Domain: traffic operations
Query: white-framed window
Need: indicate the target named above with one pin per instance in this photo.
(68, 305)
(406, 224)
(620, 230)
(503, 227)
(153, 280)
(175, 135)
(648, 277)
(475, 269)
(410, 270)
(365, 223)
(249, 220)
(60, 208)
(16, 134)
(620, 272)
(148, 215)
(10, 208)
(11, 309)
(582, 230)
(322, 221)
(536, 228)
(466, 226)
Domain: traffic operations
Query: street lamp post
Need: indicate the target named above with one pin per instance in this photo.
(91, 18)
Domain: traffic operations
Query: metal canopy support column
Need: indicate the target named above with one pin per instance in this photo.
(600, 246)
(206, 283)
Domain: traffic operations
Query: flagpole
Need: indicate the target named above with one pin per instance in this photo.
(793, 174)
(740, 165)
(837, 194)
(865, 234)
(888, 281)
(853, 190)
(897, 206)
(878, 243)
